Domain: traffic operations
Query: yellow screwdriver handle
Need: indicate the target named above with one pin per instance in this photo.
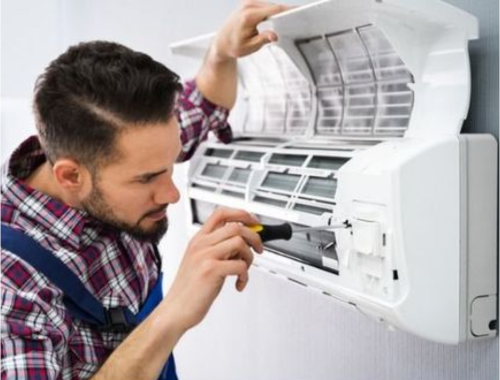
(273, 232)
(256, 227)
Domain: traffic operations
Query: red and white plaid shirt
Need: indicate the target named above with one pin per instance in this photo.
(40, 340)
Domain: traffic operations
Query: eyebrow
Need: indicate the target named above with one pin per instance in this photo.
(150, 174)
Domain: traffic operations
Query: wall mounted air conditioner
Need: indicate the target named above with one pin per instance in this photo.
(355, 114)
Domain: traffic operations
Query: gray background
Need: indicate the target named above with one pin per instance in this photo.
(275, 329)
(483, 113)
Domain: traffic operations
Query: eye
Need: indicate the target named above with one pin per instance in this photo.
(145, 180)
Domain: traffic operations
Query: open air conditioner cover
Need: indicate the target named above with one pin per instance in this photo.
(355, 114)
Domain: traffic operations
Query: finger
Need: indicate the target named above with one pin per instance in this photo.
(255, 3)
(222, 215)
(235, 229)
(234, 268)
(260, 40)
(242, 281)
(233, 248)
(258, 14)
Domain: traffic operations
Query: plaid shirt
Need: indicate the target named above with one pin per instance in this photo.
(40, 340)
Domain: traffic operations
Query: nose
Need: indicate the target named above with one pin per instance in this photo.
(166, 192)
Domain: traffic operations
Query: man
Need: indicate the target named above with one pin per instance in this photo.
(92, 190)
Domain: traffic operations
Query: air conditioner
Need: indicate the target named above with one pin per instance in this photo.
(355, 115)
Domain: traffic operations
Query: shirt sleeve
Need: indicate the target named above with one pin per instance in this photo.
(34, 333)
(197, 117)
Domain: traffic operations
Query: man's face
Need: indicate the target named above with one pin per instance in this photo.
(132, 194)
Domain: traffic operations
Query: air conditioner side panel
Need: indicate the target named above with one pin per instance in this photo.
(480, 228)
(416, 182)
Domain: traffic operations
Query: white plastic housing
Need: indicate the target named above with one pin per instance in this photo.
(355, 115)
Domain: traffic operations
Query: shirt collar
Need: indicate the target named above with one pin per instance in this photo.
(59, 219)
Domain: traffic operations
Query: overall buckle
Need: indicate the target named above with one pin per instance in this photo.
(117, 321)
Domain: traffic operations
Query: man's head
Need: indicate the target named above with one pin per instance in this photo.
(105, 118)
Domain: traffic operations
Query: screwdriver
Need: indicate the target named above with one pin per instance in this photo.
(285, 231)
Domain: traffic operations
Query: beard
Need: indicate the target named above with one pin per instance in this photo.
(96, 207)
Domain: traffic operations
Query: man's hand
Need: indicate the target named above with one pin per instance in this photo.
(220, 249)
(237, 37)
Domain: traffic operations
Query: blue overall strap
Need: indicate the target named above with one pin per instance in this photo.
(80, 303)
(154, 298)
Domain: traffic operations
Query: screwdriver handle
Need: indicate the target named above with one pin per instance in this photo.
(273, 232)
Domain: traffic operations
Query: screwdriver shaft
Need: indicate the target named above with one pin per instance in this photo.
(321, 228)
(285, 230)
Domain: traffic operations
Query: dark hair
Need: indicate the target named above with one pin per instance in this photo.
(88, 94)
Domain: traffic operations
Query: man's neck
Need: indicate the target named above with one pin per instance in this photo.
(42, 179)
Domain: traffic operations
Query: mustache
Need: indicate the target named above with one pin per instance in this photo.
(152, 212)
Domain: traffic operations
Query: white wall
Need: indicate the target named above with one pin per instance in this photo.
(29, 42)
(275, 329)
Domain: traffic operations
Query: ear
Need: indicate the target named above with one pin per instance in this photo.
(70, 175)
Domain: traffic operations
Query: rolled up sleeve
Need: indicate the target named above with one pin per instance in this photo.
(198, 116)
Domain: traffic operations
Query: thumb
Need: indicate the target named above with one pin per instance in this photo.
(260, 40)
